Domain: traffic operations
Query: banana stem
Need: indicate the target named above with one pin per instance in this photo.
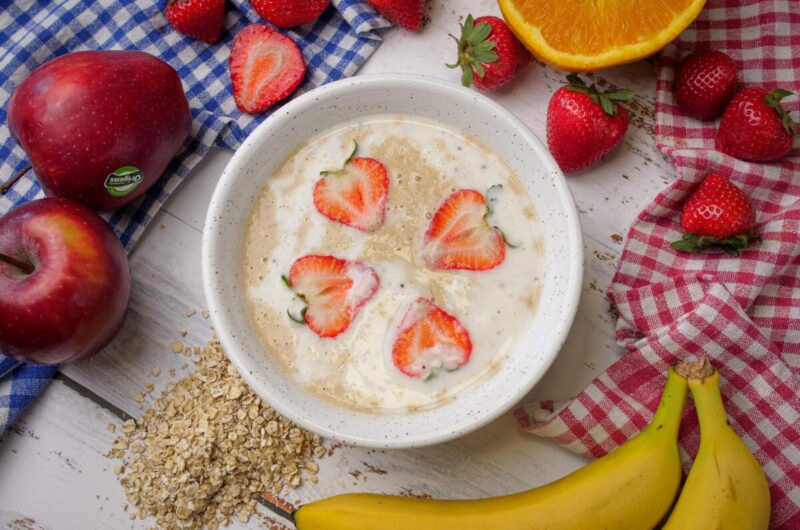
(708, 402)
(703, 382)
(670, 409)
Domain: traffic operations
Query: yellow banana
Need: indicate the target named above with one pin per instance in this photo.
(631, 488)
(726, 487)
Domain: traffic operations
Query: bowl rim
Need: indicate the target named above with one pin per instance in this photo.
(216, 210)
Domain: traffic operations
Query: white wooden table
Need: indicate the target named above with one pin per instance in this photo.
(51, 463)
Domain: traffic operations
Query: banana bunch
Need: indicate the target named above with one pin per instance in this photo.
(726, 487)
(631, 488)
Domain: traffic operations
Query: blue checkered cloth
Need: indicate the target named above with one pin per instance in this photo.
(34, 31)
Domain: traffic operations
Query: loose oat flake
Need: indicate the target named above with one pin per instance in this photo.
(206, 449)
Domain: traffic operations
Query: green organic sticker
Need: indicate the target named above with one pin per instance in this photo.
(123, 181)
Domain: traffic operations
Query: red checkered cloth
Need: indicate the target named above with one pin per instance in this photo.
(742, 312)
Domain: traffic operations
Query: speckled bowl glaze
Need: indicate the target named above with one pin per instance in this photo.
(323, 108)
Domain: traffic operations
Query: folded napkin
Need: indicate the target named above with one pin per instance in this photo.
(34, 31)
(742, 312)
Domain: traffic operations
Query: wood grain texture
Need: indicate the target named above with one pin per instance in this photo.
(166, 273)
(54, 471)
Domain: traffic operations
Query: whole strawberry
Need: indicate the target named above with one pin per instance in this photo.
(584, 124)
(704, 83)
(756, 127)
(289, 13)
(488, 53)
(717, 215)
(405, 13)
(199, 19)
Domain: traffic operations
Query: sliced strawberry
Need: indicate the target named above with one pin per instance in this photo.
(334, 290)
(266, 66)
(430, 340)
(354, 195)
(459, 237)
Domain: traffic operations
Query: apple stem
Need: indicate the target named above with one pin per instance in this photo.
(18, 175)
(26, 268)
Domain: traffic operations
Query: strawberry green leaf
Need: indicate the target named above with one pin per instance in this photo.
(480, 33)
(608, 107)
(620, 95)
(575, 80)
(731, 245)
(773, 99)
(467, 77)
(694, 243)
(779, 93)
(484, 58)
(508, 243)
(687, 244)
(579, 89)
(609, 101)
(474, 50)
(346, 162)
(469, 24)
(491, 198)
(288, 283)
(352, 153)
(301, 319)
(483, 47)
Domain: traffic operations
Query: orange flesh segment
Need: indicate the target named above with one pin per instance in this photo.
(602, 24)
(597, 33)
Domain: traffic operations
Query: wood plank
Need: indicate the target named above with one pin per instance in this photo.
(53, 465)
(54, 471)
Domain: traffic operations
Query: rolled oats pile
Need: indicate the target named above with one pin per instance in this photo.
(207, 447)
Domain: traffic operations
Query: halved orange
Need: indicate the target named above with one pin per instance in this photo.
(587, 35)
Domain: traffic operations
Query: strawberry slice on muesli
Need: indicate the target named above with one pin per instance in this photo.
(355, 194)
(459, 235)
(430, 340)
(333, 289)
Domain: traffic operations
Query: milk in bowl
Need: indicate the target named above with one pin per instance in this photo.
(392, 263)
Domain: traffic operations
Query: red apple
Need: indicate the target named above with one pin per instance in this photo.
(64, 282)
(100, 127)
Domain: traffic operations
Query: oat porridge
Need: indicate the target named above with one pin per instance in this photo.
(391, 264)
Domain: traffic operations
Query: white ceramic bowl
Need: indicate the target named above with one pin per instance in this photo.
(452, 105)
